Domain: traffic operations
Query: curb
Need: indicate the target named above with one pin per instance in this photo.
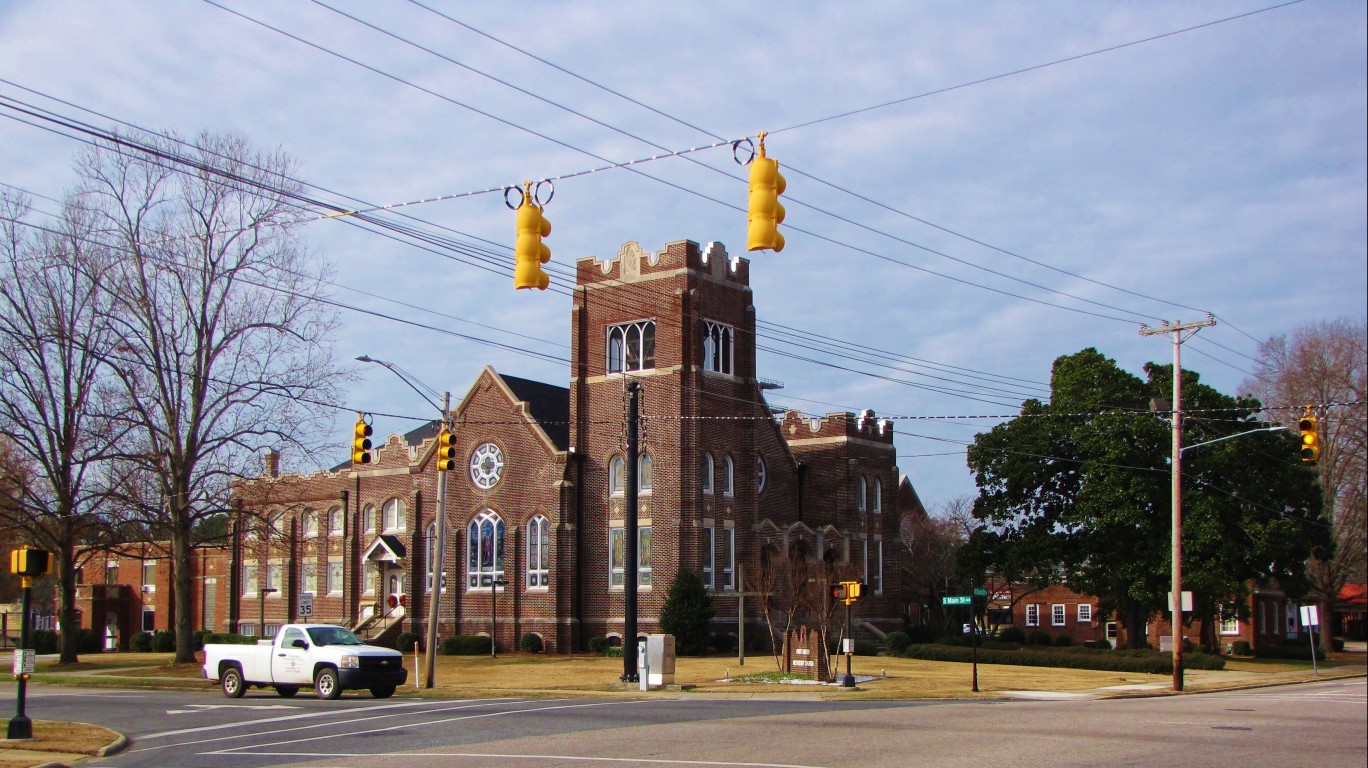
(113, 747)
(1232, 687)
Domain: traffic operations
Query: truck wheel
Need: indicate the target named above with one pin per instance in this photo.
(326, 684)
(286, 691)
(233, 684)
(383, 692)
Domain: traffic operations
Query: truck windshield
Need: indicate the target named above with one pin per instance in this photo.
(332, 636)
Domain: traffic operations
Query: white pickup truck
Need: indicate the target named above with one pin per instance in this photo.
(327, 657)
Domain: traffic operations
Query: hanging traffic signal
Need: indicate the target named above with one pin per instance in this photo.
(1310, 438)
(361, 444)
(446, 450)
(529, 249)
(764, 213)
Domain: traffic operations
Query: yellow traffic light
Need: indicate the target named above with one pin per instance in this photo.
(27, 561)
(1310, 438)
(529, 250)
(361, 444)
(446, 450)
(764, 213)
(838, 592)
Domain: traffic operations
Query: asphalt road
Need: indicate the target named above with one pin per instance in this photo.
(1324, 724)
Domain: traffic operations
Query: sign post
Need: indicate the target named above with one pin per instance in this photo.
(1310, 618)
(306, 605)
(26, 563)
(968, 600)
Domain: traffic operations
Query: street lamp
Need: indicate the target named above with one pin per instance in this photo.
(261, 602)
(494, 585)
(438, 565)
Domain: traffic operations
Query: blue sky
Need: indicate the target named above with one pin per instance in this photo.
(1035, 211)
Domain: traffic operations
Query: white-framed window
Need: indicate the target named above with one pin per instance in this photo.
(1032, 615)
(484, 550)
(644, 464)
(246, 629)
(270, 630)
(864, 566)
(878, 496)
(728, 476)
(617, 557)
(876, 575)
(617, 476)
(149, 576)
(726, 559)
(631, 346)
(334, 578)
(370, 576)
(309, 578)
(708, 470)
(1058, 614)
(1084, 613)
(717, 347)
(275, 525)
(335, 521)
(861, 490)
(112, 572)
(275, 573)
(538, 552)
(430, 557)
(1110, 630)
(1230, 622)
(394, 515)
(760, 474)
(308, 524)
(368, 518)
(709, 552)
(249, 581)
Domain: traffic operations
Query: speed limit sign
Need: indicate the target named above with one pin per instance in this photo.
(306, 604)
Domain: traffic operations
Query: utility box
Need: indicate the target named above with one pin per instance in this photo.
(657, 664)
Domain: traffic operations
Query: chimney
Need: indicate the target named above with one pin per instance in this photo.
(272, 464)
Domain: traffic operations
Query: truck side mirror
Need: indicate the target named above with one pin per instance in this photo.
(300, 644)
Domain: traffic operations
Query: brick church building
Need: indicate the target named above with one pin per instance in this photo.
(537, 503)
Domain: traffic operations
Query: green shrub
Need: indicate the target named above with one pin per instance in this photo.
(164, 641)
(1240, 648)
(1012, 634)
(866, 648)
(141, 643)
(532, 643)
(404, 643)
(1063, 640)
(920, 633)
(1150, 662)
(599, 645)
(1102, 645)
(688, 613)
(897, 642)
(43, 641)
(1294, 652)
(89, 641)
(613, 652)
(465, 645)
(1041, 637)
(723, 642)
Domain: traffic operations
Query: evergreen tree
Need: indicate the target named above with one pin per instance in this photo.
(688, 613)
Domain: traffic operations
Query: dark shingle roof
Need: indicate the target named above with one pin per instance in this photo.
(548, 404)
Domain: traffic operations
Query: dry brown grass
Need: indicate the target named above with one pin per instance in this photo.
(53, 736)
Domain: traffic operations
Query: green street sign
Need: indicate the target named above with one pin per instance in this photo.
(957, 600)
(980, 591)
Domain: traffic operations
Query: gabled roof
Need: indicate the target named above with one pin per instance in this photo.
(386, 547)
(548, 404)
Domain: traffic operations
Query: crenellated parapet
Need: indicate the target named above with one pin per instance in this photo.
(635, 264)
(864, 425)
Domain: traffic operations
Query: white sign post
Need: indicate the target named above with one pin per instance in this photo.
(1310, 618)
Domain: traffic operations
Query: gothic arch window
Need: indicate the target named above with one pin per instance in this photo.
(862, 490)
(430, 555)
(335, 521)
(717, 347)
(708, 471)
(728, 476)
(644, 465)
(308, 524)
(617, 476)
(484, 550)
(539, 552)
(368, 518)
(631, 346)
(394, 518)
(878, 496)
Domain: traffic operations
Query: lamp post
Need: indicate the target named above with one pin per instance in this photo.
(261, 602)
(494, 585)
(438, 566)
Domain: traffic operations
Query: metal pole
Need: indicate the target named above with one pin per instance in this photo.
(849, 641)
(438, 565)
(973, 639)
(20, 727)
(493, 617)
(629, 606)
(740, 618)
(1177, 492)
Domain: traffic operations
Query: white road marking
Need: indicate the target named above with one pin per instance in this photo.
(567, 758)
(202, 707)
(244, 723)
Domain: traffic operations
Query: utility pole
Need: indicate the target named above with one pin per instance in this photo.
(629, 545)
(1178, 329)
(438, 565)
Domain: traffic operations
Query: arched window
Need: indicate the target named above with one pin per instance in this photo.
(275, 526)
(862, 489)
(368, 518)
(617, 476)
(728, 476)
(878, 496)
(484, 550)
(631, 346)
(644, 473)
(708, 469)
(760, 474)
(717, 347)
(538, 552)
(335, 521)
(394, 517)
(308, 523)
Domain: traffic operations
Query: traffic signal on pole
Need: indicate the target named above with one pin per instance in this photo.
(530, 251)
(764, 213)
(446, 450)
(1310, 438)
(26, 561)
(361, 444)
(838, 592)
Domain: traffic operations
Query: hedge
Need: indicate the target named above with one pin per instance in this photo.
(404, 643)
(465, 645)
(531, 643)
(1290, 652)
(1152, 662)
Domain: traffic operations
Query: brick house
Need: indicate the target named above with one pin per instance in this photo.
(539, 500)
(128, 590)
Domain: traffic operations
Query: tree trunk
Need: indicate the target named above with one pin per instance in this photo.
(182, 577)
(66, 604)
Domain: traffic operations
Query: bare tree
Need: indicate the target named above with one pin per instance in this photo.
(933, 545)
(1325, 364)
(54, 333)
(223, 325)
